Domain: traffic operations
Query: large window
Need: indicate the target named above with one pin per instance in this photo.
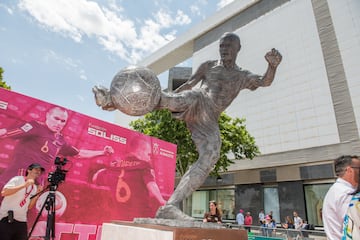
(271, 202)
(224, 197)
(314, 196)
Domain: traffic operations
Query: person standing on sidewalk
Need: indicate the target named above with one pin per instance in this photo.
(248, 221)
(338, 197)
(18, 199)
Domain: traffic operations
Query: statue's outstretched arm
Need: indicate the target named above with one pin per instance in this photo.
(194, 79)
(274, 58)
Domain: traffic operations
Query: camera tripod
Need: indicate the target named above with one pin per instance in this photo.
(49, 204)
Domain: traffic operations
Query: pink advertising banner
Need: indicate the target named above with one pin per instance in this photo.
(110, 172)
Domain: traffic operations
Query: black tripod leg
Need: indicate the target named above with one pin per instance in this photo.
(37, 218)
(50, 223)
(53, 222)
(50, 227)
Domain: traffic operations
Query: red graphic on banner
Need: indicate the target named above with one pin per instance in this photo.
(112, 173)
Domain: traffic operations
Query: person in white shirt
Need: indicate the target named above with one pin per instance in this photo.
(297, 220)
(338, 197)
(261, 216)
(240, 217)
(20, 195)
(351, 225)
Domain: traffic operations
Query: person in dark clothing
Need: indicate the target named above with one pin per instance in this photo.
(214, 215)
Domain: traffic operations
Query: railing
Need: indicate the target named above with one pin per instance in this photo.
(279, 233)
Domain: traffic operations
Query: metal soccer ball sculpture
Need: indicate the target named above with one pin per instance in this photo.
(134, 91)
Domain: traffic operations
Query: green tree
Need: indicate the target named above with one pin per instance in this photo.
(236, 140)
(2, 82)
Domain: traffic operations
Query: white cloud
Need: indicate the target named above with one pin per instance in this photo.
(195, 10)
(181, 18)
(16, 61)
(51, 56)
(80, 97)
(163, 18)
(199, 8)
(68, 63)
(114, 6)
(82, 74)
(223, 3)
(9, 10)
(117, 34)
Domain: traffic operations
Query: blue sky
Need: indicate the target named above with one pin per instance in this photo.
(57, 50)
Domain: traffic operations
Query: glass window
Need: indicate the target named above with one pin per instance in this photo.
(224, 197)
(271, 202)
(314, 196)
(200, 204)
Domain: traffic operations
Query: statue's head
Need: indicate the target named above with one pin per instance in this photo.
(229, 46)
(233, 38)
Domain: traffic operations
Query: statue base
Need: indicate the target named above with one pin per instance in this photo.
(118, 230)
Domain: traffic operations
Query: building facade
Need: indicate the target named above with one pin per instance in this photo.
(309, 116)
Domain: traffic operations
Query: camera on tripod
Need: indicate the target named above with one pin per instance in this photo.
(58, 176)
(54, 178)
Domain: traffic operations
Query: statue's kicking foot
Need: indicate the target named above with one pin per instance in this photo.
(172, 212)
(103, 98)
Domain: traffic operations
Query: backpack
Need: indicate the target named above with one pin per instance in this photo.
(310, 227)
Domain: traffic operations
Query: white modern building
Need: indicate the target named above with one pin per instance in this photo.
(309, 115)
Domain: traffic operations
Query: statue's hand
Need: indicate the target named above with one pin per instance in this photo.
(273, 57)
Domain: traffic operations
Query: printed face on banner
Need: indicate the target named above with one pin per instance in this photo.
(110, 173)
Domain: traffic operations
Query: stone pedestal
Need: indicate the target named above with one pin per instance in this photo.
(118, 230)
